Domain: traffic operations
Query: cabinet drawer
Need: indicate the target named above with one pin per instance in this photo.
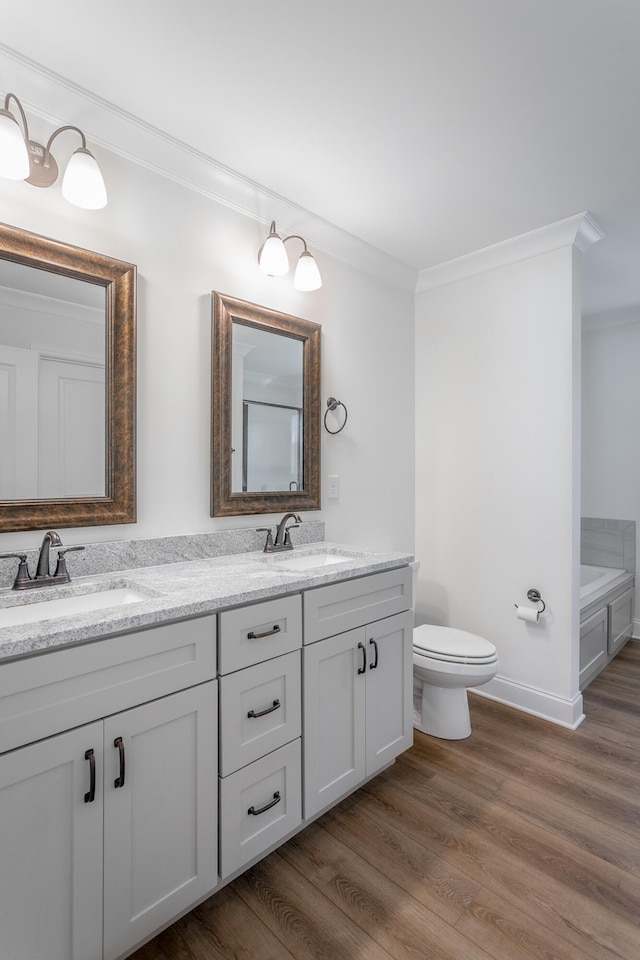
(271, 789)
(259, 710)
(44, 695)
(620, 620)
(353, 603)
(259, 632)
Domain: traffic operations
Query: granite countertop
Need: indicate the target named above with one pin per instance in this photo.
(174, 591)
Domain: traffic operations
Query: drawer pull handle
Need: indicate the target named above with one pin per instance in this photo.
(363, 668)
(262, 713)
(90, 797)
(267, 633)
(119, 781)
(372, 666)
(256, 813)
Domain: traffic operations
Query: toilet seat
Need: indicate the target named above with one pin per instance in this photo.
(452, 646)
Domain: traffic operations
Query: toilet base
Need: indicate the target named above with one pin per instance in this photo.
(442, 712)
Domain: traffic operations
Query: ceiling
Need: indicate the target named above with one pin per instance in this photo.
(426, 128)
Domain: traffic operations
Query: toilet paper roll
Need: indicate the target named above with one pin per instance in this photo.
(530, 614)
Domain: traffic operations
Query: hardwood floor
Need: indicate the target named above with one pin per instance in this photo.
(520, 843)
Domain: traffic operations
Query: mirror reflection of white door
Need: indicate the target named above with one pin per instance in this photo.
(71, 431)
(18, 423)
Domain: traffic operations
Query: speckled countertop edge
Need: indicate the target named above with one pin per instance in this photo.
(178, 590)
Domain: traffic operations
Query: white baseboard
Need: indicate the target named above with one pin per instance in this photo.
(566, 713)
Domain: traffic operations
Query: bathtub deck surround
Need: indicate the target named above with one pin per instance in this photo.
(607, 592)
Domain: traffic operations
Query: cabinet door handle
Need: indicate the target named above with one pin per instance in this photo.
(263, 713)
(256, 813)
(119, 781)
(372, 666)
(90, 797)
(363, 668)
(267, 633)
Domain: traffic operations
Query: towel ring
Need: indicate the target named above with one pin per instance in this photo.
(333, 404)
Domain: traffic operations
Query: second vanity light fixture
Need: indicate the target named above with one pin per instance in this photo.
(273, 260)
(25, 159)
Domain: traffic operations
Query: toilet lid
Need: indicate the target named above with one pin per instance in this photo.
(447, 643)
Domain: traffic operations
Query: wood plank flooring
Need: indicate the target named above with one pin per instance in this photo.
(520, 843)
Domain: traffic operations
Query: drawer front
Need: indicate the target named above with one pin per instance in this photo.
(259, 632)
(353, 603)
(259, 710)
(44, 695)
(259, 806)
(621, 620)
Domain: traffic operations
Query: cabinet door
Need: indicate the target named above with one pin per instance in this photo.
(334, 717)
(620, 620)
(51, 849)
(389, 709)
(593, 646)
(161, 824)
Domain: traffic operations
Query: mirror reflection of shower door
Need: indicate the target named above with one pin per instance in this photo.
(272, 447)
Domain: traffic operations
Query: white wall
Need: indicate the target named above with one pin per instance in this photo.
(497, 479)
(186, 245)
(611, 421)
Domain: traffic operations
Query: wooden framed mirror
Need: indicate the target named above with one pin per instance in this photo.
(67, 385)
(265, 418)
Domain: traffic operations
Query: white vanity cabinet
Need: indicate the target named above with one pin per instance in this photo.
(260, 724)
(113, 824)
(358, 710)
(140, 772)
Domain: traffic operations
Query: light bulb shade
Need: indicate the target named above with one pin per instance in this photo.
(307, 276)
(82, 184)
(272, 257)
(14, 156)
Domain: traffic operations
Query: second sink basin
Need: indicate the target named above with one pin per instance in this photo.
(312, 560)
(36, 610)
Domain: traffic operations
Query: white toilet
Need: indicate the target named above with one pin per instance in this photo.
(445, 662)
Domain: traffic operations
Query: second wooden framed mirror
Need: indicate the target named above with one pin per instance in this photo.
(265, 450)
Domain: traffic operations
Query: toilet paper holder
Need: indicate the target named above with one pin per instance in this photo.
(533, 596)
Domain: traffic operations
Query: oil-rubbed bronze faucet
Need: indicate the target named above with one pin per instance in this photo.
(283, 536)
(43, 577)
(50, 539)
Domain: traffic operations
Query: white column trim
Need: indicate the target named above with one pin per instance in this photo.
(580, 230)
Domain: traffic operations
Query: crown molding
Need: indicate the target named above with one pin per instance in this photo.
(56, 100)
(621, 317)
(579, 231)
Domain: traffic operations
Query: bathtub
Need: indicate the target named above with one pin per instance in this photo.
(596, 579)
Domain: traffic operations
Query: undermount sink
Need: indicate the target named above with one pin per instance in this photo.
(312, 561)
(36, 610)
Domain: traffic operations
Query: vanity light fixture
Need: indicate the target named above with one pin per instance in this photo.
(25, 159)
(273, 260)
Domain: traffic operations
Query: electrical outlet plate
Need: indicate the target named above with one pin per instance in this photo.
(333, 487)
